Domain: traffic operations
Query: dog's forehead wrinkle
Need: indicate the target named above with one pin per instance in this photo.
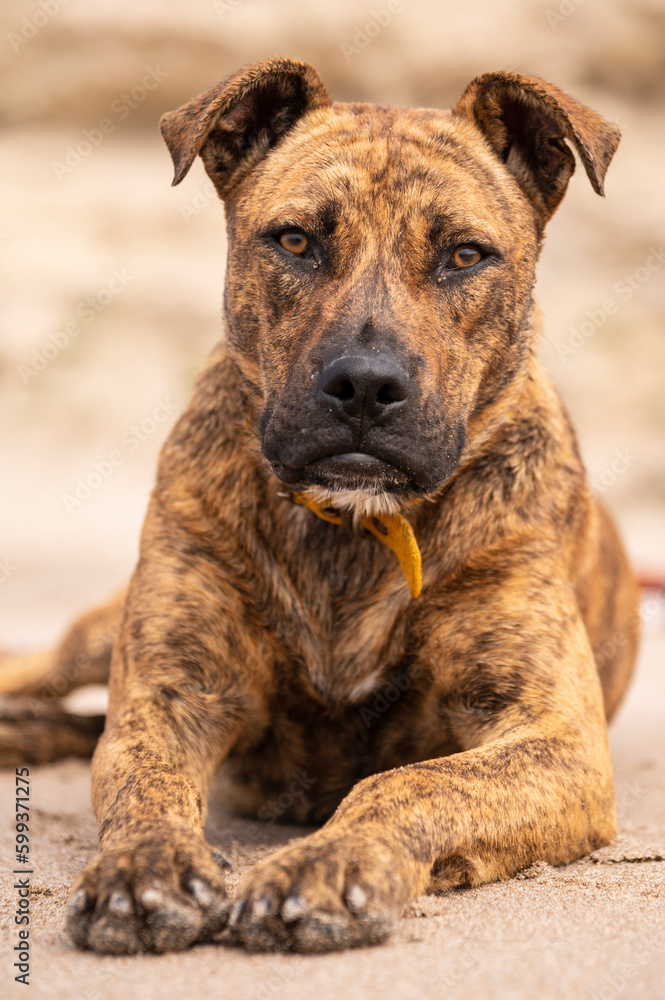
(371, 139)
(372, 212)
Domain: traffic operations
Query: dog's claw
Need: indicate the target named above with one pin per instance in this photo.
(293, 909)
(200, 891)
(356, 898)
(79, 902)
(237, 911)
(152, 898)
(221, 860)
(261, 908)
(119, 904)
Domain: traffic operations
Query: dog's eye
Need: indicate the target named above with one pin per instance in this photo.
(294, 241)
(466, 255)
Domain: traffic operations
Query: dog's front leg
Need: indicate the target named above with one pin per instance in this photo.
(534, 784)
(185, 685)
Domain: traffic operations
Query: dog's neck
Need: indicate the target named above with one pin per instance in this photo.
(392, 530)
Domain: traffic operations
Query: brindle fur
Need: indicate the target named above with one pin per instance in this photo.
(256, 636)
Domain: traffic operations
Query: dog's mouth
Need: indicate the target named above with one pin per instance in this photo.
(353, 470)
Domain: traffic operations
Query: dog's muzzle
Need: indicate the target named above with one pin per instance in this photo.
(360, 394)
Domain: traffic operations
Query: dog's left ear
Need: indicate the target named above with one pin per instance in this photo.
(527, 121)
(235, 123)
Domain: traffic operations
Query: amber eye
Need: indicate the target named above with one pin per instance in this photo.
(466, 255)
(294, 241)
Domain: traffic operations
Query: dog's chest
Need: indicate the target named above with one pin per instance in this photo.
(347, 651)
(340, 609)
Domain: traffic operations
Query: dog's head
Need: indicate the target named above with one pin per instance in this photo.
(381, 263)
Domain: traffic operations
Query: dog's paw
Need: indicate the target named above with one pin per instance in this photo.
(321, 894)
(163, 893)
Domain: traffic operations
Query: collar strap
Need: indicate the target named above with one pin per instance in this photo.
(392, 530)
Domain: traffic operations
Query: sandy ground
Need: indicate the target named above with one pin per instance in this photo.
(595, 929)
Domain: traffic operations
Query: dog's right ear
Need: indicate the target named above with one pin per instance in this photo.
(236, 122)
(528, 123)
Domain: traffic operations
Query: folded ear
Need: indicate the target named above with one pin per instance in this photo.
(236, 122)
(527, 121)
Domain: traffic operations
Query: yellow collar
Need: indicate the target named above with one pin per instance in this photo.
(393, 530)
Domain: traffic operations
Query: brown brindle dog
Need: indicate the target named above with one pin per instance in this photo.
(378, 367)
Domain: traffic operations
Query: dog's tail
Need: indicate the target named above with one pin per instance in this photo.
(34, 728)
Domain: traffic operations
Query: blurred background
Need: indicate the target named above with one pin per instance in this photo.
(112, 280)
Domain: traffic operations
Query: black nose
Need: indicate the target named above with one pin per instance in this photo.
(369, 386)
